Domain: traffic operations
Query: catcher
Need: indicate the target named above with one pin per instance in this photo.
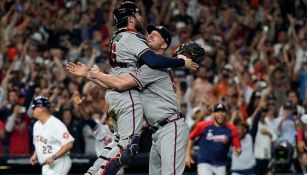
(170, 131)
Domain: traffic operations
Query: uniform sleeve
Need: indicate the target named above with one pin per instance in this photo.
(62, 134)
(145, 75)
(137, 44)
(198, 129)
(235, 139)
(157, 61)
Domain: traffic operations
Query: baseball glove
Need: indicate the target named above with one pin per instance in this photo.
(193, 51)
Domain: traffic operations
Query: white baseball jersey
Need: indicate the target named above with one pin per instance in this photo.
(103, 136)
(49, 137)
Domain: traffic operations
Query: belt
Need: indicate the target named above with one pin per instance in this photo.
(165, 122)
(119, 64)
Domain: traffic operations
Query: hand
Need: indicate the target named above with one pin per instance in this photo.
(237, 151)
(189, 161)
(16, 110)
(291, 19)
(33, 160)
(264, 131)
(94, 71)
(78, 69)
(56, 53)
(188, 63)
(49, 161)
(76, 98)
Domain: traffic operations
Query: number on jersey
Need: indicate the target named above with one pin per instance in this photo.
(47, 149)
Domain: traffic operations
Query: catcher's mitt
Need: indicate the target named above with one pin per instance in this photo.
(193, 51)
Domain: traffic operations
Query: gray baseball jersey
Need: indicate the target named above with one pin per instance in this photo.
(127, 48)
(159, 103)
(158, 93)
(126, 106)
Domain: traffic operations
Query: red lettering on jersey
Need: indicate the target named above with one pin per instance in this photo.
(106, 140)
(65, 135)
(39, 138)
(113, 55)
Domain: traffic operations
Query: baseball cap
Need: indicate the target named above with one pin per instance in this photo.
(40, 101)
(219, 107)
(288, 105)
(166, 34)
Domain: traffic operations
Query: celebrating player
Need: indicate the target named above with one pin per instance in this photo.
(127, 47)
(162, 112)
(215, 139)
(51, 139)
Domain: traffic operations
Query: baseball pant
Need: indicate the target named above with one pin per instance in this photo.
(207, 169)
(129, 116)
(168, 149)
(61, 166)
(126, 111)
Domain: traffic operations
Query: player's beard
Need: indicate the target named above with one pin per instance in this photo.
(138, 26)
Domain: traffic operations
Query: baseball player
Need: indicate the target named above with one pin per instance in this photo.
(170, 131)
(51, 139)
(215, 138)
(127, 48)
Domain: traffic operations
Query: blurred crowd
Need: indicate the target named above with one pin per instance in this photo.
(256, 63)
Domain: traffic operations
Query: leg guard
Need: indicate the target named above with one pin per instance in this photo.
(124, 157)
(103, 158)
(131, 150)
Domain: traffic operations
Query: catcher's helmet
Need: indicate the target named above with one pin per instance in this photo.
(40, 101)
(123, 11)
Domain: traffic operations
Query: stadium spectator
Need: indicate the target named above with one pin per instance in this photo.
(18, 127)
(301, 143)
(284, 124)
(2, 134)
(74, 126)
(245, 162)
